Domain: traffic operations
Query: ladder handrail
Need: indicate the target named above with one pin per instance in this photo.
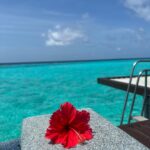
(129, 85)
(145, 93)
(134, 96)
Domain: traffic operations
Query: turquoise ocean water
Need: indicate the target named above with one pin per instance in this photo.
(34, 89)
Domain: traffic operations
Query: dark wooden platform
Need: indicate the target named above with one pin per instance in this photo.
(121, 85)
(139, 130)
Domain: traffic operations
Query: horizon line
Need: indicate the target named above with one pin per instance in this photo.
(69, 61)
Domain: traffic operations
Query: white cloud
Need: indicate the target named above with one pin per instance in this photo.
(63, 36)
(140, 7)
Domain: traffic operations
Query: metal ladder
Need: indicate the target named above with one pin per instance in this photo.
(145, 73)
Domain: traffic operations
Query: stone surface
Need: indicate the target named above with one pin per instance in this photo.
(106, 136)
(10, 145)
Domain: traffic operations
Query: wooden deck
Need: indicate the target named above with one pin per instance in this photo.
(123, 81)
(139, 130)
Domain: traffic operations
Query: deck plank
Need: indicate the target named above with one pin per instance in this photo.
(139, 130)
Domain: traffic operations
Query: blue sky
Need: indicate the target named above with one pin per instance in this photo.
(52, 30)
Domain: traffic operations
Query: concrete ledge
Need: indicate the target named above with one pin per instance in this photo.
(106, 136)
(10, 145)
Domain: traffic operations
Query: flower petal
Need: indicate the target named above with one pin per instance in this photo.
(80, 123)
(87, 135)
(51, 135)
(68, 111)
(57, 121)
(72, 139)
(61, 139)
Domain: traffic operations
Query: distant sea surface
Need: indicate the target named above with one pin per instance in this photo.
(35, 89)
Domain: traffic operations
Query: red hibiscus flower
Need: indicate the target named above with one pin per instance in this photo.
(69, 126)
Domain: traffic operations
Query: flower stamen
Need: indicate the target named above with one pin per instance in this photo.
(81, 139)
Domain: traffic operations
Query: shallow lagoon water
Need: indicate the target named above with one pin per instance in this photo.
(34, 89)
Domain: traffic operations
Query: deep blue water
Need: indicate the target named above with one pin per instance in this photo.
(27, 90)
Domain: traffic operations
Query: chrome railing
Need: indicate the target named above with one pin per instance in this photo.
(129, 86)
(145, 73)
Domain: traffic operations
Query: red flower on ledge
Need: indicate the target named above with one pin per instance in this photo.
(68, 126)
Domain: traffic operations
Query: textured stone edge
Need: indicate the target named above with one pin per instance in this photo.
(108, 125)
